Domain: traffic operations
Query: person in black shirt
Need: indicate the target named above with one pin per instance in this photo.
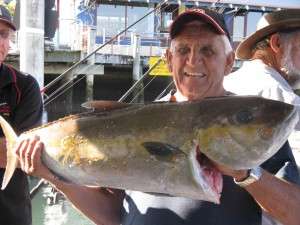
(21, 105)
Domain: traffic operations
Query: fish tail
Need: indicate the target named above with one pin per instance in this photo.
(11, 160)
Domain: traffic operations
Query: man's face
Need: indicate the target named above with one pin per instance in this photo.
(198, 62)
(291, 55)
(5, 34)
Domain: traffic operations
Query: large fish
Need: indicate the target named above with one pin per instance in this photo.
(157, 147)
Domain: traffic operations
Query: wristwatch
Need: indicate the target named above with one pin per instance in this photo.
(253, 176)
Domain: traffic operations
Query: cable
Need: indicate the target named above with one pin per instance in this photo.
(100, 47)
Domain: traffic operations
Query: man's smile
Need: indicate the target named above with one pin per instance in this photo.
(198, 75)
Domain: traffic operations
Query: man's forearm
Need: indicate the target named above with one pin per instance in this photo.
(98, 204)
(277, 197)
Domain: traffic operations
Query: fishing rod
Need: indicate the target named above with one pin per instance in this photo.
(141, 91)
(142, 78)
(66, 86)
(63, 87)
(164, 91)
(139, 81)
(100, 47)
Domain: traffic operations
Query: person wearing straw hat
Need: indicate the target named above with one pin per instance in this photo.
(272, 52)
(21, 104)
(199, 57)
(272, 69)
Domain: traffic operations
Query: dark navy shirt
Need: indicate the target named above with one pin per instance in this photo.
(21, 104)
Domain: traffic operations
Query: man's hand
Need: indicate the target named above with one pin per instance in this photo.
(29, 153)
(238, 175)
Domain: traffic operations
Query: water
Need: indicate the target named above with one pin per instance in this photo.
(61, 212)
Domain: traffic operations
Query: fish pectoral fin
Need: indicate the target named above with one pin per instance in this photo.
(11, 160)
(162, 151)
(102, 105)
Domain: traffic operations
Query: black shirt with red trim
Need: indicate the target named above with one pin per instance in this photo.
(21, 104)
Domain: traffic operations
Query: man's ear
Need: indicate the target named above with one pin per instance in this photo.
(275, 43)
(229, 63)
(169, 59)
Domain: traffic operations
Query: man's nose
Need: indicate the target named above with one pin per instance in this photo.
(194, 57)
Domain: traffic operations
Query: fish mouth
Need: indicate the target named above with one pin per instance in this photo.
(196, 75)
(207, 176)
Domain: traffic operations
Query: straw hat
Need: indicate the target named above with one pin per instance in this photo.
(270, 23)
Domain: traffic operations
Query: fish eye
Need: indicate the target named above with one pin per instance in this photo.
(244, 117)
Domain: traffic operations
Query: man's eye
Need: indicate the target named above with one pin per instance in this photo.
(207, 52)
(4, 34)
(182, 51)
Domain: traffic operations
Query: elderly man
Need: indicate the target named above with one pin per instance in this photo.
(273, 69)
(199, 56)
(21, 104)
(274, 54)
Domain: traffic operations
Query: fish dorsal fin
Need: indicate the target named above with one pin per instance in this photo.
(102, 105)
